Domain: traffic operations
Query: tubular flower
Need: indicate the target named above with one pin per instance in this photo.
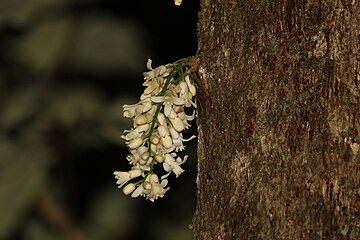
(156, 137)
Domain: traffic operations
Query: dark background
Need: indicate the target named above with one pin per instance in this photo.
(66, 69)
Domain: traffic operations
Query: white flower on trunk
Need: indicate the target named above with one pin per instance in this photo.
(159, 119)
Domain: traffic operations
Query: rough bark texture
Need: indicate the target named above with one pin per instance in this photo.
(279, 120)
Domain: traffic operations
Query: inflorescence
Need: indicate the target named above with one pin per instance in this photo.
(156, 137)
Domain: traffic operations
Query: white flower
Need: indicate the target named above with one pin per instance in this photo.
(169, 99)
(170, 164)
(176, 122)
(153, 87)
(159, 71)
(151, 188)
(137, 132)
(178, 139)
(185, 118)
(130, 110)
(186, 91)
(124, 177)
(135, 155)
(165, 136)
(133, 110)
(135, 143)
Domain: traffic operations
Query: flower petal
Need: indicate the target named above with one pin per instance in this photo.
(158, 99)
(148, 64)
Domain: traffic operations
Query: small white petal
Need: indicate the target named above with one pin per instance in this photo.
(138, 191)
(177, 123)
(143, 128)
(167, 110)
(161, 70)
(167, 141)
(167, 167)
(191, 117)
(148, 64)
(154, 178)
(178, 101)
(163, 131)
(139, 120)
(147, 106)
(178, 170)
(158, 99)
(173, 114)
(161, 119)
(135, 143)
(190, 85)
(174, 134)
(135, 173)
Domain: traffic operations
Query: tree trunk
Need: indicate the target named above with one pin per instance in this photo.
(279, 120)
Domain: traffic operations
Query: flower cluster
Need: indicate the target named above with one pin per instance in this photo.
(156, 136)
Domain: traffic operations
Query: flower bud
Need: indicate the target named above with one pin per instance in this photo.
(177, 123)
(165, 137)
(154, 148)
(161, 119)
(167, 141)
(163, 131)
(154, 139)
(135, 173)
(147, 185)
(129, 188)
(143, 128)
(135, 143)
(141, 120)
(159, 158)
(145, 156)
(143, 161)
(149, 117)
(174, 134)
(147, 106)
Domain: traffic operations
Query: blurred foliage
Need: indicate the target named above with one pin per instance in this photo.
(66, 69)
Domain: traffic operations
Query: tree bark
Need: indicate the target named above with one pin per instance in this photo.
(278, 120)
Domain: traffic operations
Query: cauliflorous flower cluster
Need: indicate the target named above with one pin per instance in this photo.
(156, 136)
